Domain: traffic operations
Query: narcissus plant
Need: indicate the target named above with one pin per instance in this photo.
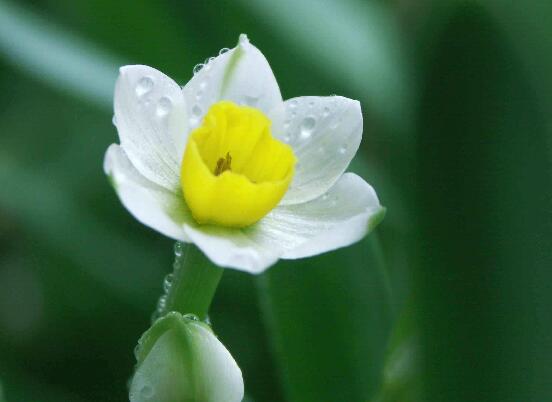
(226, 164)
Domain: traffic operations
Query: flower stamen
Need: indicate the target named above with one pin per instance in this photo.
(223, 164)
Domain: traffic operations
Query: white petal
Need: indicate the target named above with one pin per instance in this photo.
(325, 134)
(241, 75)
(342, 216)
(151, 119)
(221, 377)
(153, 205)
(233, 248)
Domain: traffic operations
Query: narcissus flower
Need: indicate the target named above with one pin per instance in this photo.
(225, 163)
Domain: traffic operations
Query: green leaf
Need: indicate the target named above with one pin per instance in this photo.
(485, 223)
(329, 318)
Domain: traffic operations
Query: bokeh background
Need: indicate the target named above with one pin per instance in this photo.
(449, 300)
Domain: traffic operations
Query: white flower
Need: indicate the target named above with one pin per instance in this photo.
(323, 209)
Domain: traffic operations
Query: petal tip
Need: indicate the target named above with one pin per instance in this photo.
(376, 218)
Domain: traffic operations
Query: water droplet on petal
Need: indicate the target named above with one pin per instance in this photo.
(143, 86)
(325, 197)
(326, 111)
(196, 111)
(343, 149)
(197, 68)
(207, 63)
(307, 127)
(202, 84)
(164, 106)
(223, 50)
(292, 104)
(114, 120)
(311, 104)
(251, 100)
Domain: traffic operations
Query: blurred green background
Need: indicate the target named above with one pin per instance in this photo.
(450, 299)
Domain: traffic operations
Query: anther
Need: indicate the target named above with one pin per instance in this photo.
(223, 164)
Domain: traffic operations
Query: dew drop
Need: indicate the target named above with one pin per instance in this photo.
(343, 149)
(202, 84)
(114, 120)
(178, 249)
(251, 100)
(144, 85)
(199, 94)
(325, 197)
(191, 317)
(311, 104)
(223, 50)
(292, 104)
(197, 68)
(196, 111)
(164, 106)
(307, 127)
(326, 111)
(146, 391)
(161, 305)
(167, 283)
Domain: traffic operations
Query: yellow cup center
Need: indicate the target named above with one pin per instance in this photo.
(233, 171)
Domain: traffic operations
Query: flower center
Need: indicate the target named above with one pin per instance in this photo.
(233, 171)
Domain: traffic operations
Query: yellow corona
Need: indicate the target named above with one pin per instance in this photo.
(234, 171)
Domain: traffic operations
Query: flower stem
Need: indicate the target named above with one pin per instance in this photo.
(193, 283)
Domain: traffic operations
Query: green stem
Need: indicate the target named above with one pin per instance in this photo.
(194, 282)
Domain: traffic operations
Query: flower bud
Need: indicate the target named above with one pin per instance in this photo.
(179, 359)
